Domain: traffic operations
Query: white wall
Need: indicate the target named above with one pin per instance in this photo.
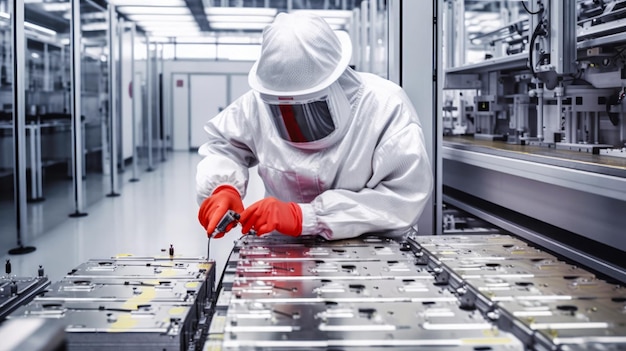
(177, 69)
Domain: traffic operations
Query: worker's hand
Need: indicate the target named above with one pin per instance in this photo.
(214, 207)
(272, 214)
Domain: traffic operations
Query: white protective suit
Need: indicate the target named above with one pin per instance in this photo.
(374, 178)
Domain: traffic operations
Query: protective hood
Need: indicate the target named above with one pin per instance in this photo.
(300, 55)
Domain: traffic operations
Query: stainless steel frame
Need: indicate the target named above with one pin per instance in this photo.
(75, 104)
(19, 125)
(585, 203)
(421, 78)
(149, 104)
(113, 98)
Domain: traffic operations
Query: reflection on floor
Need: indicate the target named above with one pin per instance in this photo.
(150, 215)
(57, 202)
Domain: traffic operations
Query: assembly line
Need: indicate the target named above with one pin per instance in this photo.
(313, 175)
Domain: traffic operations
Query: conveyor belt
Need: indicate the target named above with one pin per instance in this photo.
(448, 292)
(583, 161)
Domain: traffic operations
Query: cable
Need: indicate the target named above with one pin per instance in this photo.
(536, 32)
(529, 12)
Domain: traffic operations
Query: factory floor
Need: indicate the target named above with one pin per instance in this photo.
(149, 215)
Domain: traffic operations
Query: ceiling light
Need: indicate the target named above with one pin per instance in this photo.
(31, 25)
(94, 26)
(241, 11)
(148, 2)
(173, 32)
(39, 28)
(56, 6)
(238, 25)
(168, 26)
(161, 18)
(240, 19)
(151, 10)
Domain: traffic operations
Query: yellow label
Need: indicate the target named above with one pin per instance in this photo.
(192, 285)
(147, 294)
(124, 323)
(206, 266)
(177, 311)
(169, 272)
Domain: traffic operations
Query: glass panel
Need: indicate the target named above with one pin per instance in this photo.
(94, 102)
(7, 204)
(479, 33)
(47, 118)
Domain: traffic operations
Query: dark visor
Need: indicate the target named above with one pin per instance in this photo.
(301, 123)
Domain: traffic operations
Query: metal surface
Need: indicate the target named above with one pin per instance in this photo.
(34, 334)
(16, 291)
(556, 305)
(148, 108)
(375, 325)
(76, 84)
(545, 241)
(19, 119)
(135, 91)
(114, 111)
(130, 303)
(115, 326)
(358, 294)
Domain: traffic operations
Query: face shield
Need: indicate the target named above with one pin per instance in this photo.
(309, 121)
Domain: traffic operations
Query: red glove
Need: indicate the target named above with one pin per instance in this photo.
(271, 214)
(214, 207)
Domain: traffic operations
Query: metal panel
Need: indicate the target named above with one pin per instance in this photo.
(421, 78)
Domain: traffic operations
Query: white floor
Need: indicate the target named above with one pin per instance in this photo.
(150, 215)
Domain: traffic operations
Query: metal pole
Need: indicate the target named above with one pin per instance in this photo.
(19, 126)
(119, 37)
(365, 66)
(159, 122)
(75, 107)
(134, 97)
(149, 103)
(113, 100)
(373, 35)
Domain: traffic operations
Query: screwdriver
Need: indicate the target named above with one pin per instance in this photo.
(229, 217)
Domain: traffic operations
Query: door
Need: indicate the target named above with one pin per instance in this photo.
(207, 97)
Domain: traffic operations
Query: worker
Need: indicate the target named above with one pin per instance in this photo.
(341, 153)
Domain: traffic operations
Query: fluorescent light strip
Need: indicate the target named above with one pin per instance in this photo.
(238, 25)
(161, 18)
(153, 10)
(150, 2)
(56, 6)
(39, 28)
(241, 11)
(95, 26)
(240, 19)
(161, 26)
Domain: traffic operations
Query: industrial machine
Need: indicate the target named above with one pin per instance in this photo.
(539, 88)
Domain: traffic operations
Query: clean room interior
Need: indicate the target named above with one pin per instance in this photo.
(104, 104)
